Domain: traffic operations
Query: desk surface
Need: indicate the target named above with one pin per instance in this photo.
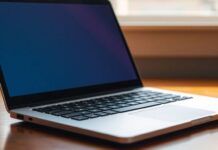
(16, 135)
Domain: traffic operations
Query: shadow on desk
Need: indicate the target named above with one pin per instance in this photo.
(30, 137)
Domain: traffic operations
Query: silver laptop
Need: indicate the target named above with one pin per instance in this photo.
(65, 64)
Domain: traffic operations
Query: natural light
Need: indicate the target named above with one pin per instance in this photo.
(137, 10)
(165, 7)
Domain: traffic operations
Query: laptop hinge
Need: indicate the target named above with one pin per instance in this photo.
(77, 97)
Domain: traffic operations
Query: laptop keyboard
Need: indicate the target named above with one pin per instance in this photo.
(110, 105)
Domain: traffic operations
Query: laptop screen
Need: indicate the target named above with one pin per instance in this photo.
(47, 47)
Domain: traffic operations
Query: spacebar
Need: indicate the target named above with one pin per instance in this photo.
(124, 109)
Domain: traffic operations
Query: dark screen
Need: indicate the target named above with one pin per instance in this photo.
(50, 47)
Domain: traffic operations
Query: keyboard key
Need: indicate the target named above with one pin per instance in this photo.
(61, 113)
(124, 105)
(133, 103)
(52, 111)
(92, 115)
(95, 110)
(111, 112)
(101, 114)
(104, 108)
(70, 115)
(163, 101)
(184, 98)
(114, 106)
(79, 118)
(141, 102)
(90, 107)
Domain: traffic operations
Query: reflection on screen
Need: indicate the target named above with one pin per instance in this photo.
(49, 47)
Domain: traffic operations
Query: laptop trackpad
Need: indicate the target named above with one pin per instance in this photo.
(173, 113)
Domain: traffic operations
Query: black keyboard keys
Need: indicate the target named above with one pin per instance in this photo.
(110, 105)
(80, 118)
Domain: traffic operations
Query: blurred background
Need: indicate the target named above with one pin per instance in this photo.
(171, 38)
(165, 7)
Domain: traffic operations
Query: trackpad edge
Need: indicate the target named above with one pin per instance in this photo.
(173, 113)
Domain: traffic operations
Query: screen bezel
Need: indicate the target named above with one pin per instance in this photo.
(62, 95)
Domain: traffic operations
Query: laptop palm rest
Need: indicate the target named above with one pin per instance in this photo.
(173, 113)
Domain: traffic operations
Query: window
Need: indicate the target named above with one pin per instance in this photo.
(199, 12)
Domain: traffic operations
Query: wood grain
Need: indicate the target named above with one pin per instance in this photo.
(16, 135)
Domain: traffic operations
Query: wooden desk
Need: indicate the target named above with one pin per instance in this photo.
(16, 135)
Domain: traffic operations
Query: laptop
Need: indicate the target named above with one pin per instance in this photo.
(66, 65)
